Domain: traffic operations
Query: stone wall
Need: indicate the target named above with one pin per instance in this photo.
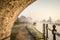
(9, 11)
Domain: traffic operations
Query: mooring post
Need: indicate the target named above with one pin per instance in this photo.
(44, 31)
(47, 30)
(53, 32)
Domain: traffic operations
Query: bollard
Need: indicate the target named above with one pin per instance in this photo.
(54, 34)
(44, 31)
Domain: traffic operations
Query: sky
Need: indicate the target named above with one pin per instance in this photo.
(43, 9)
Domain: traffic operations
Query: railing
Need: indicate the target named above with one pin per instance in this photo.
(54, 32)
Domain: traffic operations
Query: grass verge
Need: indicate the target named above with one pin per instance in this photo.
(36, 33)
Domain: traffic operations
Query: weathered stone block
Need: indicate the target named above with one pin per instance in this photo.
(9, 11)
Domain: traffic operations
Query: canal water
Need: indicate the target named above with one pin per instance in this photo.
(39, 27)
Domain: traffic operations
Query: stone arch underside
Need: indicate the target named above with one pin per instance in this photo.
(9, 11)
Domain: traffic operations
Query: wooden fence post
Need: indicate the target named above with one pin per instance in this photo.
(44, 31)
(53, 32)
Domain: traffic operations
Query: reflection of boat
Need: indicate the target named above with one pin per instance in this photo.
(57, 22)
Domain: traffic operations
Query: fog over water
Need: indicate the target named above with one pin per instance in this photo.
(43, 9)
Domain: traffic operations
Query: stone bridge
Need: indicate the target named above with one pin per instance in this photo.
(9, 11)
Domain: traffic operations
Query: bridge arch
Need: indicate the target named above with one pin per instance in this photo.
(9, 11)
